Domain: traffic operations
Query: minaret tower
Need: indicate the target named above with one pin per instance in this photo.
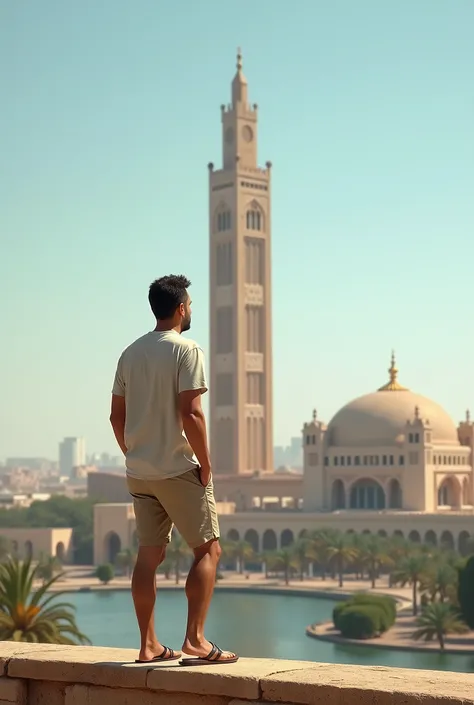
(241, 424)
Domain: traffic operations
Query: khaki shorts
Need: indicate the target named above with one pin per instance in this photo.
(181, 501)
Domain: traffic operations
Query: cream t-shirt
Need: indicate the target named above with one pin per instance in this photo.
(151, 373)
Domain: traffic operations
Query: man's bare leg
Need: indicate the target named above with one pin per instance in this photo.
(199, 589)
(144, 596)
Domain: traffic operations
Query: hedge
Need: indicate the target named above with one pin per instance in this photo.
(386, 603)
(361, 622)
(380, 609)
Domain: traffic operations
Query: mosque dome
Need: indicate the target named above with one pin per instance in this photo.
(379, 419)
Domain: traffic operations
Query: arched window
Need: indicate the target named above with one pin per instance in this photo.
(414, 536)
(431, 538)
(233, 535)
(223, 219)
(338, 495)
(449, 493)
(269, 540)
(286, 538)
(112, 546)
(251, 537)
(367, 494)
(254, 218)
(394, 495)
(447, 541)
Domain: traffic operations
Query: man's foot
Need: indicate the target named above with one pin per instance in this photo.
(158, 653)
(206, 653)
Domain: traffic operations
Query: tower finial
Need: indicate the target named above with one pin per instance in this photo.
(239, 59)
(315, 415)
(468, 416)
(393, 385)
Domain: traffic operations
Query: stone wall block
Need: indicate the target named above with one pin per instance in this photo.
(13, 690)
(93, 695)
(46, 693)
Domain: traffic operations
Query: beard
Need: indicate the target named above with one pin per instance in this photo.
(186, 324)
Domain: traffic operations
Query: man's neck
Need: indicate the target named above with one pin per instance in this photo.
(164, 326)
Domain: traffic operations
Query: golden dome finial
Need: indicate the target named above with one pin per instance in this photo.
(393, 385)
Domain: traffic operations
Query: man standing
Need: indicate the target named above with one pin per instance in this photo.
(160, 426)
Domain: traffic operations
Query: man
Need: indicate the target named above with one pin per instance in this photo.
(160, 426)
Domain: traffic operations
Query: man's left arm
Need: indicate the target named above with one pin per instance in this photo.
(118, 411)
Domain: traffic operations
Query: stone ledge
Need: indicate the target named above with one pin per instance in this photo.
(79, 675)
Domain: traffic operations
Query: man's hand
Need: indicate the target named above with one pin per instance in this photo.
(205, 475)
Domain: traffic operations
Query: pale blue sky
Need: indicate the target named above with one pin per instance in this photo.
(110, 114)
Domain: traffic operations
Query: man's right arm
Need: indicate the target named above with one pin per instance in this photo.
(191, 386)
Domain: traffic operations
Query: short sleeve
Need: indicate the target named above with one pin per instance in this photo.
(191, 373)
(119, 384)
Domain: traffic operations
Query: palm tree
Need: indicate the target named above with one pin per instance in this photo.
(439, 581)
(30, 615)
(320, 541)
(374, 555)
(125, 561)
(243, 552)
(341, 551)
(436, 621)
(177, 551)
(302, 553)
(285, 560)
(398, 549)
(411, 571)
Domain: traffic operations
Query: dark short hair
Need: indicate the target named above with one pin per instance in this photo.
(166, 294)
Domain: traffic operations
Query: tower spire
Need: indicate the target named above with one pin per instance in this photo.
(239, 84)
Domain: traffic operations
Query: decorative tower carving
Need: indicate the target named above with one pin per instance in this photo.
(241, 424)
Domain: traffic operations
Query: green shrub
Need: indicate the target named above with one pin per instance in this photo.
(384, 602)
(105, 573)
(361, 621)
(338, 611)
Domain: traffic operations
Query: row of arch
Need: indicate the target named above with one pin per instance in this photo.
(27, 550)
(254, 218)
(270, 541)
(366, 494)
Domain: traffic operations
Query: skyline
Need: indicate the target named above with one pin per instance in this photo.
(111, 116)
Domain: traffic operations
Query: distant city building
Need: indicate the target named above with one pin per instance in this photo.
(72, 453)
(289, 456)
(43, 465)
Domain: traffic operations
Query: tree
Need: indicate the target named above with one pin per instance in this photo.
(410, 572)
(243, 552)
(105, 573)
(436, 621)
(47, 567)
(341, 551)
(284, 560)
(32, 615)
(374, 555)
(321, 540)
(466, 592)
(439, 580)
(125, 561)
(302, 553)
(177, 551)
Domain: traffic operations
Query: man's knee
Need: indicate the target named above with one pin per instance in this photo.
(151, 556)
(212, 548)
